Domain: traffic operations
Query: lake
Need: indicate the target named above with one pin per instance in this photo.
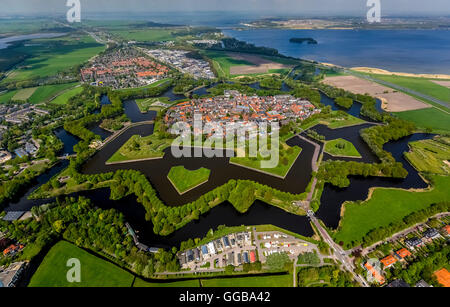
(6, 41)
(412, 51)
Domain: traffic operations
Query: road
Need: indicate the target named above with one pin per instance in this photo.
(338, 252)
(399, 88)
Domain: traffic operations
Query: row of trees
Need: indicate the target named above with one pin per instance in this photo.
(337, 172)
(271, 83)
(344, 102)
(377, 136)
(325, 276)
(241, 194)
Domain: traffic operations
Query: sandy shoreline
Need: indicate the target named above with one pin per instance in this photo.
(379, 71)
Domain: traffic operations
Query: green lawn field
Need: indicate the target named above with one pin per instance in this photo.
(252, 281)
(341, 147)
(95, 272)
(184, 180)
(288, 156)
(139, 148)
(64, 97)
(387, 206)
(7, 96)
(50, 56)
(338, 120)
(47, 92)
(191, 283)
(145, 104)
(428, 118)
(429, 156)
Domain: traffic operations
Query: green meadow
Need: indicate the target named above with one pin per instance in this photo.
(421, 85)
(341, 147)
(95, 272)
(146, 35)
(387, 206)
(47, 92)
(7, 96)
(184, 179)
(191, 283)
(432, 118)
(287, 157)
(64, 97)
(222, 62)
(430, 156)
(48, 57)
(252, 281)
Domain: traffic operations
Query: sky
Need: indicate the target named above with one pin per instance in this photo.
(274, 7)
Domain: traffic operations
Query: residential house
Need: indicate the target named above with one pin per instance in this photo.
(388, 261)
(414, 242)
(403, 253)
(398, 283)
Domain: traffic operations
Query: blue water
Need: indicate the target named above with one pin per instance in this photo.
(413, 51)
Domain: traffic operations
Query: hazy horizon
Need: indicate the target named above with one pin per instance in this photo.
(315, 8)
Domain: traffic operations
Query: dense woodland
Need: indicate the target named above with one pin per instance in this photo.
(79, 222)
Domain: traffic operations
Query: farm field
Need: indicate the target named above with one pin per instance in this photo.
(6, 97)
(393, 101)
(24, 94)
(64, 97)
(421, 85)
(147, 35)
(47, 92)
(48, 57)
(342, 148)
(359, 219)
(432, 118)
(430, 156)
(183, 180)
(228, 64)
(95, 272)
(222, 62)
(288, 156)
(25, 26)
(252, 281)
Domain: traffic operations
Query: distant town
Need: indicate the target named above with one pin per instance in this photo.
(123, 68)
